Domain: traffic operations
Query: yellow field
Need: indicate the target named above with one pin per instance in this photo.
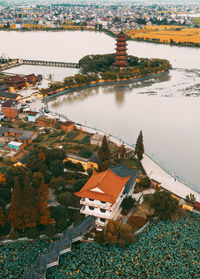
(165, 34)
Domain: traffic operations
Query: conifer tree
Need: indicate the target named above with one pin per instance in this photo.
(2, 218)
(44, 214)
(16, 207)
(139, 147)
(30, 209)
(122, 152)
(104, 154)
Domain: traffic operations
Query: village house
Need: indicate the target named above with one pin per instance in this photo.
(67, 126)
(9, 109)
(31, 80)
(16, 83)
(33, 115)
(46, 122)
(103, 193)
(86, 163)
(5, 96)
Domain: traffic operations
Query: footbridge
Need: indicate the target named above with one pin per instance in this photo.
(49, 63)
(10, 63)
(60, 247)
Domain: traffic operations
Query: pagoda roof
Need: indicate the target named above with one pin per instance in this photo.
(103, 186)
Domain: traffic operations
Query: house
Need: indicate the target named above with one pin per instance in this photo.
(21, 136)
(103, 193)
(3, 87)
(16, 83)
(96, 139)
(31, 79)
(5, 96)
(67, 126)
(15, 145)
(46, 122)
(33, 115)
(86, 163)
(9, 109)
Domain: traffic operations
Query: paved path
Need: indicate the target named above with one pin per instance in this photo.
(156, 172)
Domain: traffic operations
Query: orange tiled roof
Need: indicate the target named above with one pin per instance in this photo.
(108, 182)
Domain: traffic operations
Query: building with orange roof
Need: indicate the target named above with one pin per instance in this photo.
(103, 193)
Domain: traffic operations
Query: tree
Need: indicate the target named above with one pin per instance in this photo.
(60, 215)
(145, 182)
(85, 153)
(30, 210)
(164, 205)
(139, 147)
(128, 203)
(2, 218)
(122, 152)
(16, 207)
(78, 184)
(104, 154)
(57, 168)
(57, 183)
(65, 198)
(116, 234)
(44, 214)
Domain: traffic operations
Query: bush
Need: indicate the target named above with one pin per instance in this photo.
(33, 233)
(14, 235)
(137, 222)
(50, 230)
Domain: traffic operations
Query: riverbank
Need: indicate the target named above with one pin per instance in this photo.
(104, 83)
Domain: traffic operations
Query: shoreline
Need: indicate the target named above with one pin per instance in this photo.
(104, 84)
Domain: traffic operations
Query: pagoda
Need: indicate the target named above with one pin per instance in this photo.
(121, 55)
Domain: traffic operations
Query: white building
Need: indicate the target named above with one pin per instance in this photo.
(103, 193)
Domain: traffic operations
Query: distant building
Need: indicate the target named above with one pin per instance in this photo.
(5, 96)
(15, 145)
(86, 163)
(67, 126)
(16, 83)
(33, 115)
(9, 109)
(103, 193)
(46, 122)
(121, 55)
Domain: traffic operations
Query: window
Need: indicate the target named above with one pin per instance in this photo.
(103, 202)
(102, 210)
(91, 199)
(102, 220)
(91, 207)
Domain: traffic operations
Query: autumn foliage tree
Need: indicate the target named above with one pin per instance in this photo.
(122, 152)
(16, 207)
(116, 233)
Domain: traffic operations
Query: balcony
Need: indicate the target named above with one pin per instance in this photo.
(95, 204)
(96, 212)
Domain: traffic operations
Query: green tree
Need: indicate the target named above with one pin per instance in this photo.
(65, 198)
(57, 183)
(78, 184)
(85, 153)
(145, 182)
(190, 198)
(104, 154)
(164, 205)
(57, 168)
(139, 147)
(128, 203)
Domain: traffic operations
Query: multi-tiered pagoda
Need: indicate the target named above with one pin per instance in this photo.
(121, 55)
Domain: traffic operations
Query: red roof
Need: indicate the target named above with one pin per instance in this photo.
(16, 79)
(103, 186)
(31, 77)
(32, 113)
(8, 104)
(67, 123)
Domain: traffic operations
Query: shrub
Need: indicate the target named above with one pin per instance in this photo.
(50, 230)
(33, 233)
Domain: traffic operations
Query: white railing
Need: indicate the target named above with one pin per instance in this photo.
(95, 204)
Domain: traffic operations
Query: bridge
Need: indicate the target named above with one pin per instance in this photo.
(10, 63)
(60, 247)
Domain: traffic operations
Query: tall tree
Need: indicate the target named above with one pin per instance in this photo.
(122, 152)
(2, 218)
(104, 154)
(30, 210)
(16, 207)
(44, 214)
(139, 147)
